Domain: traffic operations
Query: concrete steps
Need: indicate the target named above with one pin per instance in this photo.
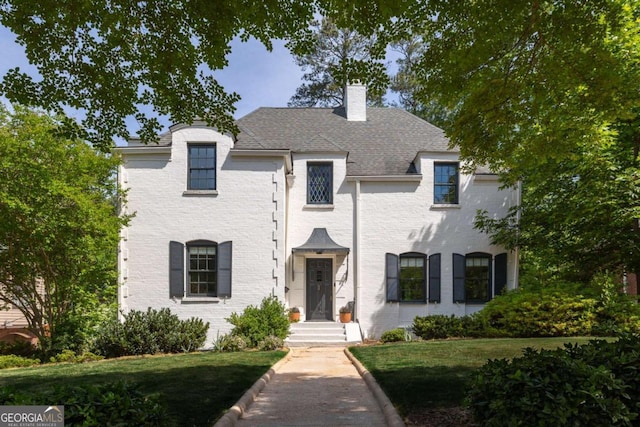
(303, 334)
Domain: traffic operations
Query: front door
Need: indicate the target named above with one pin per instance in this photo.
(319, 289)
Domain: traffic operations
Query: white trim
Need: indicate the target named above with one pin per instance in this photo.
(165, 149)
(318, 207)
(204, 193)
(385, 178)
(444, 206)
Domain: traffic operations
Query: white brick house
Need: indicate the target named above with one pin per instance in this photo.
(321, 207)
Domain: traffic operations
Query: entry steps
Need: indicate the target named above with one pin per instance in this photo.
(304, 334)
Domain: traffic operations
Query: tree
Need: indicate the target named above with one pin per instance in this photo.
(406, 83)
(338, 56)
(111, 58)
(59, 228)
(527, 81)
(578, 215)
(544, 92)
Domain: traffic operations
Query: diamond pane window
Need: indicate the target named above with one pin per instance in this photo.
(202, 270)
(445, 189)
(202, 167)
(319, 183)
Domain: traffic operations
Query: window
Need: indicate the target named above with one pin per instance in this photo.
(477, 282)
(412, 277)
(202, 167)
(319, 183)
(202, 276)
(407, 277)
(445, 190)
(207, 272)
(478, 276)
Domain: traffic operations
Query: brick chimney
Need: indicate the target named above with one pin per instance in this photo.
(355, 102)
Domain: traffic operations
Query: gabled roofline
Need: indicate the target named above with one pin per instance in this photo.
(197, 123)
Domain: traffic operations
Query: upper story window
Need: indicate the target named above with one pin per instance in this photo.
(445, 189)
(202, 167)
(319, 183)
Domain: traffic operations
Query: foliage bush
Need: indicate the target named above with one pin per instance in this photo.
(150, 332)
(14, 361)
(257, 323)
(113, 404)
(544, 312)
(18, 348)
(592, 384)
(229, 343)
(69, 356)
(395, 335)
(271, 343)
(437, 326)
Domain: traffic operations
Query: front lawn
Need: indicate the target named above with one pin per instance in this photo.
(428, 375)
(198, 387)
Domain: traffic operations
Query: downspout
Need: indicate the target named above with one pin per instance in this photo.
(356, 253)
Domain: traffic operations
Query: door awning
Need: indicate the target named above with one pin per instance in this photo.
(320, 243)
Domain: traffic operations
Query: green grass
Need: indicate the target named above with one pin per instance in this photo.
(198, 387)
(432, 374)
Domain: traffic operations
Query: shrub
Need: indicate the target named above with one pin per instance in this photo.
(229, 343)
(257, 323)
(437, 326)
(395, 335)
(69, 356)
(592, 384)
(539, 313)
(14, 361)
(106, 404)
(150, 332)
(18, 348)
(270, 343)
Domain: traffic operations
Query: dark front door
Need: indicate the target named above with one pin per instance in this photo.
(319, 289)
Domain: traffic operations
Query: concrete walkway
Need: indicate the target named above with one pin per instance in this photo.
(315, 386)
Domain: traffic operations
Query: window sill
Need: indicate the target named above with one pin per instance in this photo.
(199, 300)
(327, 207)
(200, 193)
(442, 207)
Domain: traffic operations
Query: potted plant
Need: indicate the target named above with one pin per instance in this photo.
(345, 314)
(294, 314)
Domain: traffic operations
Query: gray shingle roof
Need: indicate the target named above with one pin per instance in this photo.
(385, 144)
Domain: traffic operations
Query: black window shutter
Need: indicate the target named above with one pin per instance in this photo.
(224, 269)
(434, 278)
(501, 273)
(458, 278)
(176, 269)
(393, 272)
